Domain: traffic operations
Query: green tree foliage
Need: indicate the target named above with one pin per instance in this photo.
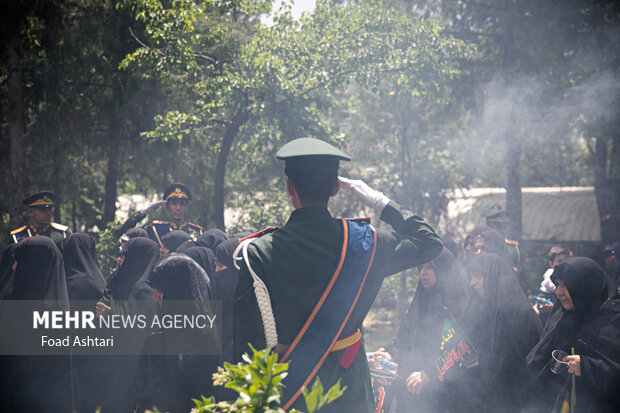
(531, 118)
(80, 113)
(261, 85)
(258, 381)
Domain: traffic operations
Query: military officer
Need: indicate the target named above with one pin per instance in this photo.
(317, 276)
(41, 207)
(499, 222)
(176, 198)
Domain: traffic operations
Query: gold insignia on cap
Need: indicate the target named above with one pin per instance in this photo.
(178, 193)
(46, 200)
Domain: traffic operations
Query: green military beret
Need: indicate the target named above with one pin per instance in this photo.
(40, 199)
(177, 190)
(310, 147)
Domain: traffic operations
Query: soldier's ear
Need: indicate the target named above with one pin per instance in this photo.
(290, 188)
(336, 189)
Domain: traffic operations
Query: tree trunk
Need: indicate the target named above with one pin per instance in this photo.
(514, 148)
(19, 181)
(513, 189)
(109, 209)
(408, 197)
(56, 168)
(614, 182)
(605, 191)
(220, 170)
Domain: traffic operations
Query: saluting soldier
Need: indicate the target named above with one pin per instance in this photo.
(306, 287)
(176, 198)
(41, 207)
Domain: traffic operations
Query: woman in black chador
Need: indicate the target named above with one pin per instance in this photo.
(441, 292)
(586, 318)
(6, 271)
(212, 238)
(128, 289)
(203, 257)
(173, 240)
(226, 276)
(84, 278)
(139, 257)
(503, 328)
(39, 274)
(37, 383)
(86, 285)
(175, 372)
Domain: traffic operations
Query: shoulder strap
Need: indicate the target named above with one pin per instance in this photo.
(195, 226)
(59, 227)
(18, 230)
(19, 233)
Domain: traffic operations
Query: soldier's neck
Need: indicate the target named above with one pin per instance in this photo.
(39, 228)
(178, 223)
(310, 204)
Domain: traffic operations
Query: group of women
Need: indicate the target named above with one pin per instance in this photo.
(68, 274)
(481, 295)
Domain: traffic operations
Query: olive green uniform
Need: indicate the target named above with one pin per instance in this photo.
(162, 227)
(54, 231)
(157, 229)
(296, 263)
(45, 200)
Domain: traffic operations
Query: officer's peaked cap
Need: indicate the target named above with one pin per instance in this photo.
(40, 198)
(177, 190)
(304, 147)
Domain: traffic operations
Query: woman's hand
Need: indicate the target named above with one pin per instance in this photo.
(416, 381)
(574, 364)
(378, 355)
(101, 309)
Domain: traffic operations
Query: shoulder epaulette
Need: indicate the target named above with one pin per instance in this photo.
(259, 233)
(18, 230)
(365, 220)
(511, 242)
(161, 222)
(59, 227)
(195, 226)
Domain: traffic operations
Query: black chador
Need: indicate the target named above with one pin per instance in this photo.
(225, 284)
(503, 327)
(130, 282)
(37, 383)
(171, 381)
(417, 345)
(592, 328)
(84, 278)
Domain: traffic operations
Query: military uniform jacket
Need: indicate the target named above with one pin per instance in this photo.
(54, 231)
(158, 229)
(296, 263)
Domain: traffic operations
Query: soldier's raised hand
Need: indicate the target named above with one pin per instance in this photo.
(367, 196)
(152, 208)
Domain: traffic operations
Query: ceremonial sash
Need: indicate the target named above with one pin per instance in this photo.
(160, 229)
(323, 328)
